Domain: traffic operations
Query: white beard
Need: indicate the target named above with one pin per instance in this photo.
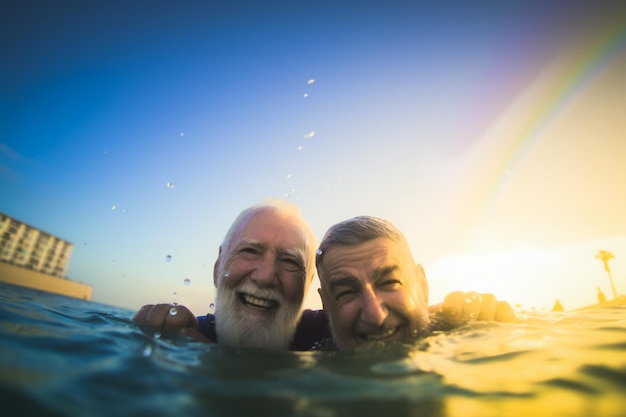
(235, 327)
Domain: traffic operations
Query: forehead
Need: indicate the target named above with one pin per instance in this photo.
(365, 257)
(272, 228)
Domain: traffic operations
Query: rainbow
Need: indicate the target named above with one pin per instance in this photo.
(592, 58)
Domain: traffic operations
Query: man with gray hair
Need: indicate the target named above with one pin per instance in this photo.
(372, 289)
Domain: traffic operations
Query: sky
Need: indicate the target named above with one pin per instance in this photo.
(492, 133)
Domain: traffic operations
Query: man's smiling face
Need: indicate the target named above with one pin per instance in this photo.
(261, 281)
(373, 292)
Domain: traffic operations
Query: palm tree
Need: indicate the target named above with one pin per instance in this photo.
(605, 256)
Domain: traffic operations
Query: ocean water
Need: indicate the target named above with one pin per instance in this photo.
(66, 357)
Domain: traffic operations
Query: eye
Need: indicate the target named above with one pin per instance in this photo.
(345, 295)
(391, 284)
(249, 252)
(292, 265)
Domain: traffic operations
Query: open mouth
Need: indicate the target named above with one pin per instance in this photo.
(381, 336)
(255, 302)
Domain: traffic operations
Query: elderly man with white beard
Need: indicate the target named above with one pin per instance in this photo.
(264, 269)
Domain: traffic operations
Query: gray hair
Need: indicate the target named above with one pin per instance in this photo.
(358, 230)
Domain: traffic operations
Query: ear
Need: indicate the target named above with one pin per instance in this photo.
(319, 291)
(216, 266)
(422, 283)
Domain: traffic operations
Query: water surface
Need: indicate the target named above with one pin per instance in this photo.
(67, 357)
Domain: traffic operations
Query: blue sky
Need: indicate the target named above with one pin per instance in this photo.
(403, 109)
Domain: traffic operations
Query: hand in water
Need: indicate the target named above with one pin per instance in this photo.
(460, 307)
(170, 318)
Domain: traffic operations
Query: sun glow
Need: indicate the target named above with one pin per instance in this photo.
(513, 276)
(531, 278)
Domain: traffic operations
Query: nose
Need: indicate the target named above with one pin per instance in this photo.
(373, 311)
(265, 273)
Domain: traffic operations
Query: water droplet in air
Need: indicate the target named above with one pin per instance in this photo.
(299, 148)
(212, 306)
(288, 176)
(187, 281)
(226, 274)
(169, 184)
(309, 135)
(319, 252)
(168, 258)
(305, 95)
(174, 294)
(311, 81)
(125, 210)
(468, 299)
(182, 134)
(173, 311)
(113, 207)
(157, 335)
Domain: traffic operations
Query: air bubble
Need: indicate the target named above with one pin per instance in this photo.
(147, 351)
(187, 281)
